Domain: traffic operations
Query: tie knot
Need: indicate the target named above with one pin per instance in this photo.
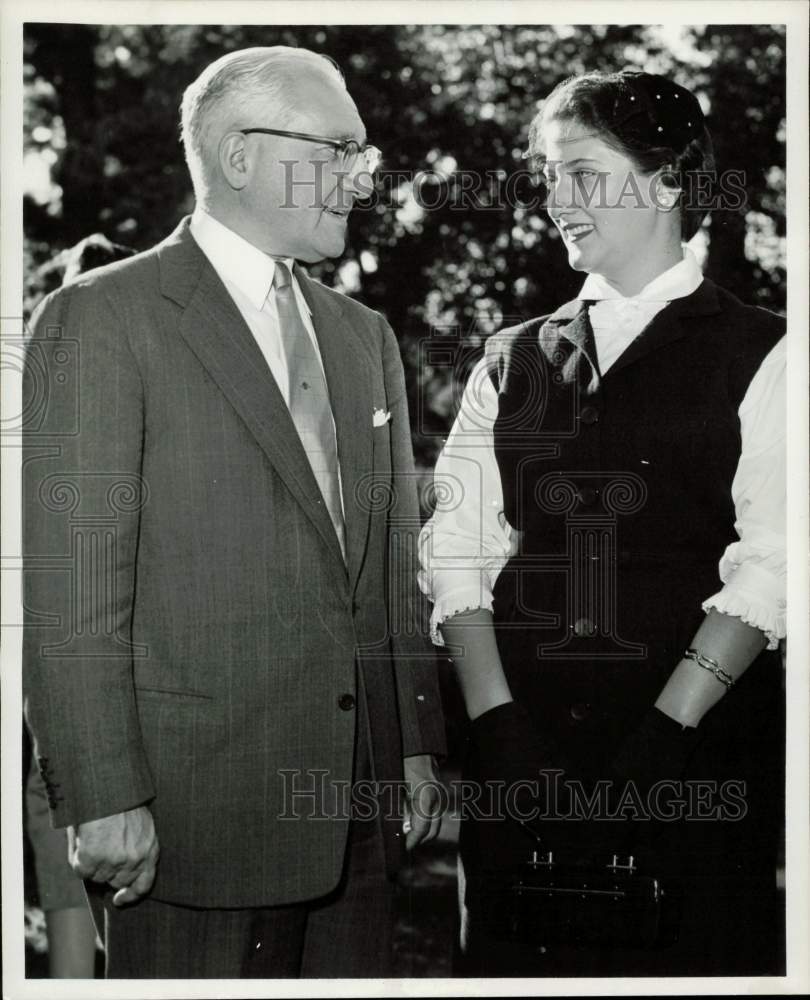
(281, 277)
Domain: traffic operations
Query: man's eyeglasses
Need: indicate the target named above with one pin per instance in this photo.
(347, 150)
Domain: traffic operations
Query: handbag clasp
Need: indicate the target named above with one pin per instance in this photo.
(628, 865)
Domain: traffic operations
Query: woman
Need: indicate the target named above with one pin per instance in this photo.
(608, 560)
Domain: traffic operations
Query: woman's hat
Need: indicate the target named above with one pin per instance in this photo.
(653, 111)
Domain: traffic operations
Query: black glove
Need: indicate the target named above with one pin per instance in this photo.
(658, 750)
(509, 748)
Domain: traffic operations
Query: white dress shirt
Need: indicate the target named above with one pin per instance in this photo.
(247, 274)
(468, 541)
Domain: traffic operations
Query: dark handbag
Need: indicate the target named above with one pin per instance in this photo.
(608, 905)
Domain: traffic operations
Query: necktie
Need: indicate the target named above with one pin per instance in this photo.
(309, 399)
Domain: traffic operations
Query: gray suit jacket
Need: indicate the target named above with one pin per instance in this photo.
(192, 631)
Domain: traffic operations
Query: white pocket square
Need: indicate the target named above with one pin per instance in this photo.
(380, 417)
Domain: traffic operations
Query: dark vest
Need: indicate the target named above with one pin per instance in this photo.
(621, 487)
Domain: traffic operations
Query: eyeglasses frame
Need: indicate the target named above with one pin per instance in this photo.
(340, 144)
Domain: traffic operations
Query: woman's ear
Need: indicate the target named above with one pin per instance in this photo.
(233, 161)
(667, 191)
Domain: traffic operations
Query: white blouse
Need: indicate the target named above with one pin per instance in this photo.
(467, 542)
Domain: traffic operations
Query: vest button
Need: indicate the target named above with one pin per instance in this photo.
(587, 495)
(584, 627)
(579, 710)
(589, 415)
(346, 702)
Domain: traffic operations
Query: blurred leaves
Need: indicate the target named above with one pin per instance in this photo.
(450, 101)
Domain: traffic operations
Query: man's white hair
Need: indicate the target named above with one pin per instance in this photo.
(259, 80)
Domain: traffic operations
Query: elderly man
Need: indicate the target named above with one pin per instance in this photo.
(219, 513)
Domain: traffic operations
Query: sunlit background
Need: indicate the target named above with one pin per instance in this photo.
(102, 155)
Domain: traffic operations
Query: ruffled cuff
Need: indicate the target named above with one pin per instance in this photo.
(757, 597)
(470, 597)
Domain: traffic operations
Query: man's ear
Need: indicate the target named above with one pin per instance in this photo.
(233, 161)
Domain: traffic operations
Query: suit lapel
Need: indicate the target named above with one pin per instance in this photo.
(215, 331)
(346, 365)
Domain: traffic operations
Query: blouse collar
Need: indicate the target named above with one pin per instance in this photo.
(676, 282)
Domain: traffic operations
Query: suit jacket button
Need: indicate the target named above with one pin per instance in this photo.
(589, 415)
(584, 627)
(579, 710)
(346, 702)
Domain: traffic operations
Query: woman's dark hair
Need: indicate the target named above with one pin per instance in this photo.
(657, 124)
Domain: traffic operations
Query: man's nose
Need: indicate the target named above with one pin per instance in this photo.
(359, 180)
(354, 183)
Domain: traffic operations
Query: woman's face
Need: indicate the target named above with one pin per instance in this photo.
(604, 208)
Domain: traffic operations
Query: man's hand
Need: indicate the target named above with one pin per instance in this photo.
(423, 800)
(121, 849)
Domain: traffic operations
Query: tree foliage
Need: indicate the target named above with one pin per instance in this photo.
(445, 103)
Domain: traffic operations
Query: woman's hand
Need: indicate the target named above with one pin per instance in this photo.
(657, 750)
(507, 748)
(511, 751)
